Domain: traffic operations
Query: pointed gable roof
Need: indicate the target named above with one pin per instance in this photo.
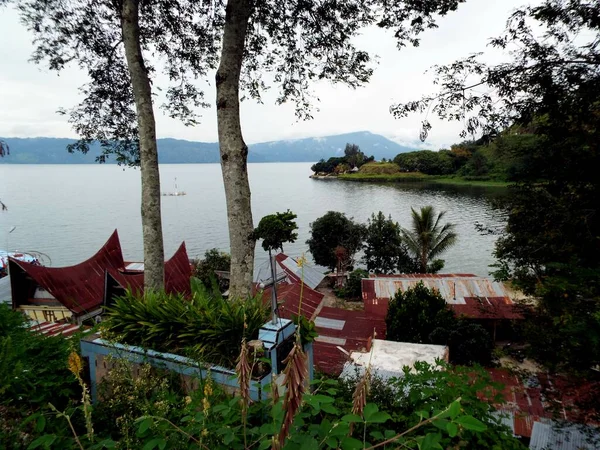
(80, 288)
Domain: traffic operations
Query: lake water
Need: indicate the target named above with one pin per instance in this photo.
(68, 211)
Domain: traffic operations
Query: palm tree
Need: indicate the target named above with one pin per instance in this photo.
(428, 238)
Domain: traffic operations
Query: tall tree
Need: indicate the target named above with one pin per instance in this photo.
(111, 40)
(428, 238)
(551, 88)
(384, 250)
(293, 43)
(334, 236)
(154, 253)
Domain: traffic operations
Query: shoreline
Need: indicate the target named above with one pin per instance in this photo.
(411, 178)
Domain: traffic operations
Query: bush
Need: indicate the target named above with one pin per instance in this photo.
(353, 285)
(415, 314)
(204, 269)
(206, 326)
(33, 372)
(469, 343)
(421, 315)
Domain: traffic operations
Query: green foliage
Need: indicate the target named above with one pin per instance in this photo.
(421, 315)
(547, 101)
(146, 408)
(428, 238)
(384, 250)
(413, 316)
(334, 230)
(204, 269)
(328, 166)
(469, 343)
(353, 157)
(379, 168)
(425, 161)
(33, 372)
(206, 326)
(275, 229)
(325, 420)
(353, 287)
(306, 328)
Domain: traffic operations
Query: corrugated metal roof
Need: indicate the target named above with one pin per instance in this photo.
(346, 330)
(64, 329)
(467, 294)
(454, 289)
(5, 293)
(563, 436)
(288, 298)
(311, 276)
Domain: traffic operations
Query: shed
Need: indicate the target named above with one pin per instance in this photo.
(468, 295)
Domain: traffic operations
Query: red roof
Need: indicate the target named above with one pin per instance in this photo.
(80, 288)
(546, 396)
(178, 272)
(356, 328)
(288, 298)
(466, 294)
(488, 308)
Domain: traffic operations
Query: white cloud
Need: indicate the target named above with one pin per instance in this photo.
(31, 95)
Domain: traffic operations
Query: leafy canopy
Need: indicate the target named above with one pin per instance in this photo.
(413, 315)
(549, 89)
(384, 250)
(275, 229)
(289, 45)
(334, 231)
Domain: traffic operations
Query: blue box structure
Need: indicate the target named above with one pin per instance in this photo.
(274, 338)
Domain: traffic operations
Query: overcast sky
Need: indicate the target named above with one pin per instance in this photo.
(30, 95)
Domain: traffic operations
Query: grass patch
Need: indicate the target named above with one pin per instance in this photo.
(407, 177)
(379, 168)
(392, 178)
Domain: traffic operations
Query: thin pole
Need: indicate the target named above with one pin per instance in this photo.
(273, 289)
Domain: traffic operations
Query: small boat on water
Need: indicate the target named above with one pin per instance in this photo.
(21, 256)
(175, 193)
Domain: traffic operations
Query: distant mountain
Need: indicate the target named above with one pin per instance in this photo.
(44, 150)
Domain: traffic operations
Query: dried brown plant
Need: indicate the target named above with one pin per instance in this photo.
(296, 374)
(244, 373)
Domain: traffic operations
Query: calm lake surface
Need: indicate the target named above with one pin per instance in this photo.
(68, 211)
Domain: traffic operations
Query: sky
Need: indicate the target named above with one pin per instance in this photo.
(30, 94)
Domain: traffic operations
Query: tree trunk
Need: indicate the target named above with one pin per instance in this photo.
(154, 257)
(234, 151)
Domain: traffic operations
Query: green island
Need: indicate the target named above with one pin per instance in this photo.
(485, 162)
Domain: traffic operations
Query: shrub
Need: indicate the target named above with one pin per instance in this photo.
(353, 289)
(204, 269)
(413, 315)
(469, 343)
(206, 326)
